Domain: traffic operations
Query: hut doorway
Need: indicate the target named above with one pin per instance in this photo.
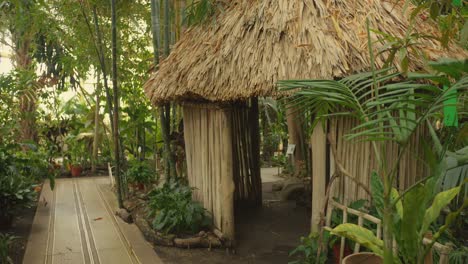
(223, 162)
(223, 165)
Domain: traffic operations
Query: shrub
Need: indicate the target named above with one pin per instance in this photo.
(16, 193)
(6, 241)
(139, 172)
(306, 252)
(173, 210)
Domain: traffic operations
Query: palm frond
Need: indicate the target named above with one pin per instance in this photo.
(388, 106)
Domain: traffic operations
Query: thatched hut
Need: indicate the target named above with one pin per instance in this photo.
(218, 69)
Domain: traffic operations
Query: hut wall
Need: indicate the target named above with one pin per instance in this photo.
(245, 131)
(209, 152)
(358, 159)
(222, 150)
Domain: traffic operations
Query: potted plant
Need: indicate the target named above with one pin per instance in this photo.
(77, 154)
(363, 258)
(139, 174)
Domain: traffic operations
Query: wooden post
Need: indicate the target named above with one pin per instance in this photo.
(255, 154)
(227, 182)
(319, 158)
(296, 136)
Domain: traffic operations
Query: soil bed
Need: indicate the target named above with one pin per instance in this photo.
(21, 228)
(264, 235)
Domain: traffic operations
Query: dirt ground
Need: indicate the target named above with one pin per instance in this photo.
(21, 228)
(264, 235)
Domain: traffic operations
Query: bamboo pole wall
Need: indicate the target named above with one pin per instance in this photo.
(223, 159)
(358, 159)
(246, 153)
(209, 151)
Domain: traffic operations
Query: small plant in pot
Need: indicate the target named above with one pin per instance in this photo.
(77, 155)
(139, 174)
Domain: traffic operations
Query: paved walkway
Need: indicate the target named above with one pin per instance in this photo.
(270, 174)
(75, 223)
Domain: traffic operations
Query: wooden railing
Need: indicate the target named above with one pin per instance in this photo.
(443, 250)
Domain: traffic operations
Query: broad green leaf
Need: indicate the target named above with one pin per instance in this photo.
(413, 213)
(360, 235)
(377, 191)
(441, 200)
(399, 204)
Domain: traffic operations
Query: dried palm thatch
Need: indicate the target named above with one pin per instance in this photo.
(253, 44)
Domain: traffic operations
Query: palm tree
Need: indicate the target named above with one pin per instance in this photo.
(388, 110)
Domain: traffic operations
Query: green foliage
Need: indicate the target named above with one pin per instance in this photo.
(360, 235)
(140, 172)
(390, 111)
(418, 211)
(78, 150)
(173, 210)
(306, 252)
(6, 242)
(375, 101)
(16, 193)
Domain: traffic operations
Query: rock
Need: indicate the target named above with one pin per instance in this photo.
(129, 205)
(219, 234)
(145, 228)
(277, 186)
(133, 204)
(292, 189)
(164, 240)
(125, 215)
(208, 241)
(213, 241)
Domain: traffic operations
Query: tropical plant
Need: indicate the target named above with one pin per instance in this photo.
(16, 193)
(388, 110)
(173, 210)
(6, 242)
(306, 252)
(139, 172)
(415, 212)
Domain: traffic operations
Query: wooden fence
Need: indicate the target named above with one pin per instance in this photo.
(357, 158)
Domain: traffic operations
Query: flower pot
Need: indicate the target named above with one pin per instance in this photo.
(138, 186)
(76, 170)
(363, 258)
(336, 252)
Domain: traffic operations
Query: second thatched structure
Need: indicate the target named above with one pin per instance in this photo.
(219, 69)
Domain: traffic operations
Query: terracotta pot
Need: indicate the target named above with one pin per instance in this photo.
(76, 170)
(363, 258)
(336, 252)
(138, 186)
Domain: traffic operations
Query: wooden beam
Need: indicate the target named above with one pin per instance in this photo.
(319, 159)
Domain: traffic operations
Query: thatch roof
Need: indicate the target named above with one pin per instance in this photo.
(253, 44)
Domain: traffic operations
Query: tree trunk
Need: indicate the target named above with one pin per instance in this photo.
(296, 137)
(102, 62)
(166, 119)
(120, 187)
(23, 63)
(96, 125)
